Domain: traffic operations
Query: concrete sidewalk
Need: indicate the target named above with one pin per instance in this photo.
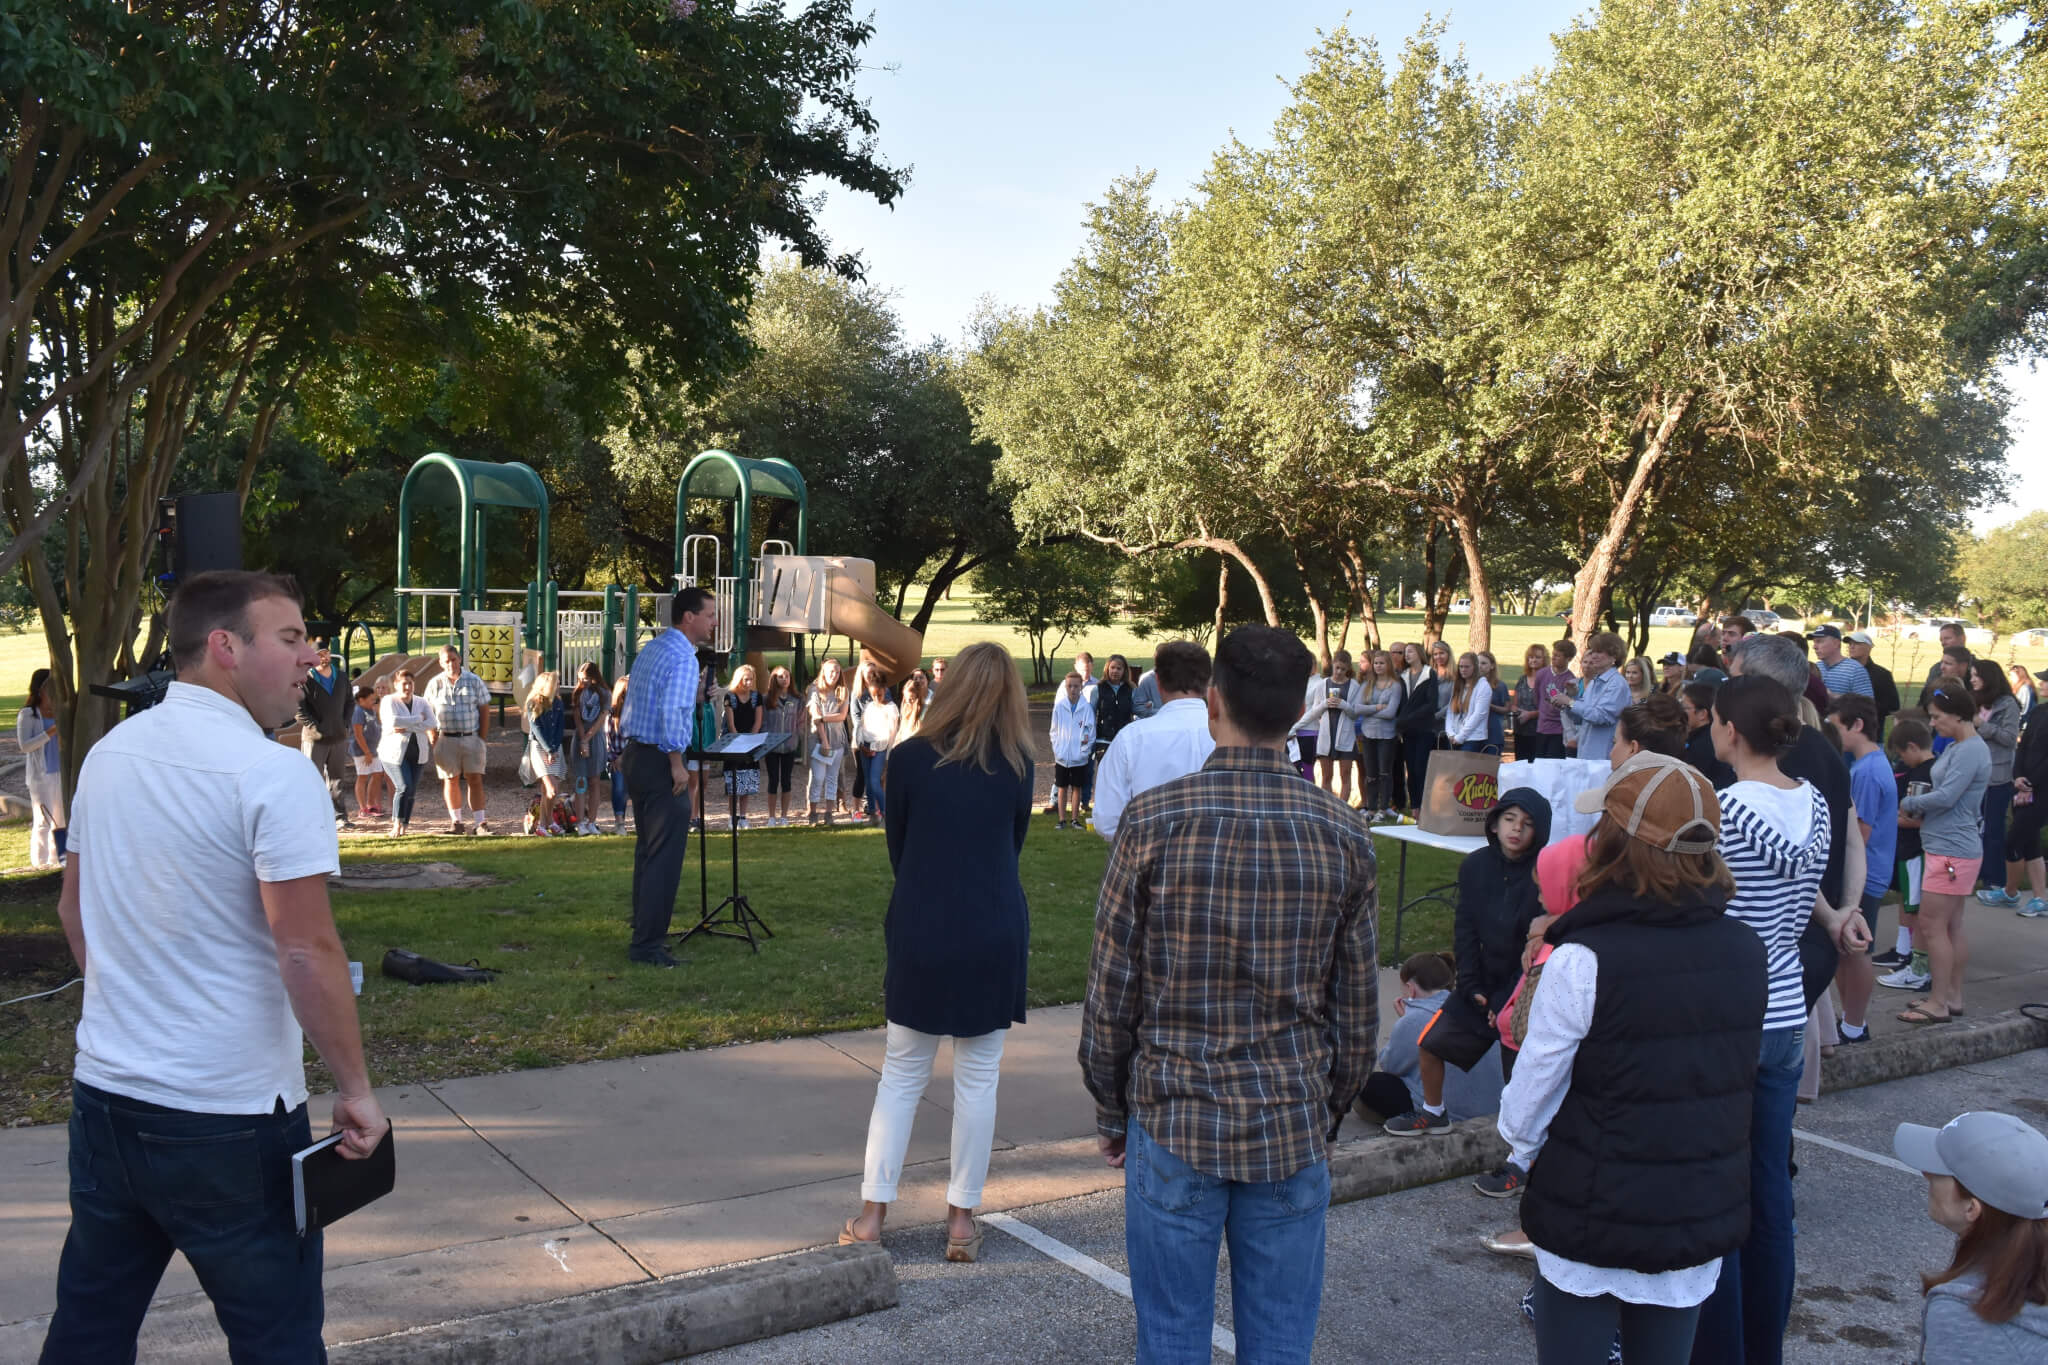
(531, 1186)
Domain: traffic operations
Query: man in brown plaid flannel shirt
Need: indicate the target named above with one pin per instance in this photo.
(1233, 1007)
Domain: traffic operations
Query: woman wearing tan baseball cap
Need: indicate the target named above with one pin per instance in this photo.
(1987, 1182)
(1630, 1103)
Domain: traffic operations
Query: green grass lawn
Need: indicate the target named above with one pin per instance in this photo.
(556, 925)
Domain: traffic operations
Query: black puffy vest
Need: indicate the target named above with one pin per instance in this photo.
(1646, 1166)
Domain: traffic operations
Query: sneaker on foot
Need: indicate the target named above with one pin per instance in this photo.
(2035, 908)
(1417, 1122)
(1906, 979)
(481, 827)
(1996, 895)
(1503, 1182)
(1890, 959)
(1851, 1039)
(1060, 825)
(457, 827)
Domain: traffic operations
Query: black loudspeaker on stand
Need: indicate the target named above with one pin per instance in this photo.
(733, 917)
(200, 531)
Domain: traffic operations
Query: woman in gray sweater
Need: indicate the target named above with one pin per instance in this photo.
(1998, 725)
(1951, 823)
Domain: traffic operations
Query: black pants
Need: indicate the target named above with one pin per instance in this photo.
(780, 766)
(1525, 742)
(1378, 759)
(661, 837)
(1550, 746)
(1415, 749)
(1575, 1331)
(1386, 1095)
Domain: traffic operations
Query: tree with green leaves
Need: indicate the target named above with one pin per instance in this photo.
(1049, 592)
(200, 202)
(2005, 574)
(879, 429)
(1738, 251)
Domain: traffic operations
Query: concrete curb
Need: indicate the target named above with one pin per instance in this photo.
(643, 1324)
(1368, 1166)
(1931, 1047)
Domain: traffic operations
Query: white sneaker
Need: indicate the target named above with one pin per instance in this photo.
(1906, 979)
(739, 822)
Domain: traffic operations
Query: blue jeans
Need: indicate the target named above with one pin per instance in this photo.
(146, 1180)
(1743, 1320)
(1473, 746)
(871, 766)
(1997, 803)
(1174, 1218)
(405, 787)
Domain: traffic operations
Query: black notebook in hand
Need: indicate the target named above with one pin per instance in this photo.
(327, 1185)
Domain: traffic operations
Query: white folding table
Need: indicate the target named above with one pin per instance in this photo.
(1460, 844)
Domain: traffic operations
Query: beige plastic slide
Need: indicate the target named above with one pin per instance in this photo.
(851, 610)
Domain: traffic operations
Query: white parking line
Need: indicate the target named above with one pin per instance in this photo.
(1224, 1340)
(1874, 1158)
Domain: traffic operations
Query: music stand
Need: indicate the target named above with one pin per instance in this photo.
(732, 917)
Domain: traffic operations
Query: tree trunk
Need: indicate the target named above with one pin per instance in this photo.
(1436, 602)
(1222, 592)
(958, 564)
(1479, 624)
(1317, 610)
(1253, 572)
(1361, 591)
(1593, 585)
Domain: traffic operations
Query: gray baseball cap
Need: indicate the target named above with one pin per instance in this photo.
(2000, 1159)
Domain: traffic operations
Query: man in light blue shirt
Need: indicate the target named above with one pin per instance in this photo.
(1603, 697)
(661, 700)
(1841, 675)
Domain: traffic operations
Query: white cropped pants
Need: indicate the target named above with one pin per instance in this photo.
(906, 1071)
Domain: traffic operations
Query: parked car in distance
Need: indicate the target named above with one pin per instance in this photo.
(1762, 618)
(1672, 616)
(1976, 637)
(2037, 638)
(1461, 607)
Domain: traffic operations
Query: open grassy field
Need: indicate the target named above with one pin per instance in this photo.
(555, 922)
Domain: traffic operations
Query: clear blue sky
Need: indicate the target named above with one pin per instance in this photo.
(1012, 117)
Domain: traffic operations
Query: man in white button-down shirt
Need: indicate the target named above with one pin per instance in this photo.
(1170, 744)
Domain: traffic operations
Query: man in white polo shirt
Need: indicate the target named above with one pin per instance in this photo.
(1173, 742)
(195, 901)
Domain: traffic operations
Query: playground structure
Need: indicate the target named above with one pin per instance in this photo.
(782, 591)
(766, 598)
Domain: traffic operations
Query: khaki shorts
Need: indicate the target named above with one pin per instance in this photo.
(457, 755)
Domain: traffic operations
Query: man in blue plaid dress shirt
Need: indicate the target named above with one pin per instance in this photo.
(660, 701)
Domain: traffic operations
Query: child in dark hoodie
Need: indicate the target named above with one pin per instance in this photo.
(1497, 900)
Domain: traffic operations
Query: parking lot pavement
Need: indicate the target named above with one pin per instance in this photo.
(1405, 1277)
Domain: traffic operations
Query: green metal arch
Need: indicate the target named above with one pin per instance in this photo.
(479, 484)
(722, 475)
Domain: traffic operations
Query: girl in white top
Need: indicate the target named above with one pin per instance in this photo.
(1383, 694)
(1471, 699)
(826, 706)
(35, 733)
(1335, 714)
(1073, 742)
(403, 748)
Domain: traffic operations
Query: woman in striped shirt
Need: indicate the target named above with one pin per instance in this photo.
(1774, 838)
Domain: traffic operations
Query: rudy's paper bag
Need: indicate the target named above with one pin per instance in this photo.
(1460, 789)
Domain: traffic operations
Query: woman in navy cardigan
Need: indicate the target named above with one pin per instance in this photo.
(958, 931)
